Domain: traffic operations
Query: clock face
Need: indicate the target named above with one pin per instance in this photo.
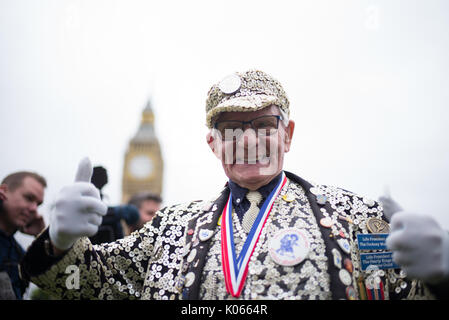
(141, 166)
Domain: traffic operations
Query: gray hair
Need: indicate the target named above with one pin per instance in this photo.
(284, 116)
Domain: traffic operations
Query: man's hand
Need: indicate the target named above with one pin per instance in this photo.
(77, 211)
(419, 244)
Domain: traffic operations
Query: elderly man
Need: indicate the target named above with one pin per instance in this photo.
(268, 235)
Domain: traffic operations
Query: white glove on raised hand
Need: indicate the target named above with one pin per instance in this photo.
(419, 244)
(77, 211)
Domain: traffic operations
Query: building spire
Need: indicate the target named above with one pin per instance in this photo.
(147, 113)
(145, 133)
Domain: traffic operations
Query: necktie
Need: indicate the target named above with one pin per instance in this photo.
(250, 216)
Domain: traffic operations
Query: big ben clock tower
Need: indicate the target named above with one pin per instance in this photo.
(142, 170)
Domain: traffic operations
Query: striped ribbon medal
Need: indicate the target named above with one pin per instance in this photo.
(235, 268)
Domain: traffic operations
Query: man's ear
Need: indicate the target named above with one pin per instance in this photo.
(212, 141)
(3, 191)
(289, 135)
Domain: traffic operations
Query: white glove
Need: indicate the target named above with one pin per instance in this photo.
(77, 211)
(389, 205)
(420, 246)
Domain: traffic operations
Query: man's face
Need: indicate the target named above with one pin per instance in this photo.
(148, 209)
(20, 205)
(252, 160)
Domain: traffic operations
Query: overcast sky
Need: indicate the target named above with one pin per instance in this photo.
(367, 83)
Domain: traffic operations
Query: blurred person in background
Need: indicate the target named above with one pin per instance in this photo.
(21, 193)
(148, 204)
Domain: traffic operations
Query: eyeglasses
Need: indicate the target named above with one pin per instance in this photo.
(263, 126)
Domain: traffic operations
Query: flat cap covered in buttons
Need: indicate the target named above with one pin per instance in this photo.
(248, 91)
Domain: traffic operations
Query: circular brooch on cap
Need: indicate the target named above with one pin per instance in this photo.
(230, 84)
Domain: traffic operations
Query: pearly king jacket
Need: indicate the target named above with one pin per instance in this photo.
(178, 254)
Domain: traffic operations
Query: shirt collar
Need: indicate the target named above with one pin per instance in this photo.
(239, 192)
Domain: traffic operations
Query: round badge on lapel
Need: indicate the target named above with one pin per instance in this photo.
(191, 256)
(288, 198)
(179, 284)
(321, 199)
(344, 245)
(337, 258)
(326, 222)
(345, 277)
(348, 265)
(289, 247)
(205, 234)
(186, 249)
(189, 279)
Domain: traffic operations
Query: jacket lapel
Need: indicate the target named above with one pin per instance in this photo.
(200, 231)
(337, 288)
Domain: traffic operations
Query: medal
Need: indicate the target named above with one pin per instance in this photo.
(361, 287)
(376, 225)
(374, 289)
(289, 247)
(350, 293)
(235, 268)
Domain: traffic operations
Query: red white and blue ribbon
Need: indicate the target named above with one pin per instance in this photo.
(235, 268)
(375, 292)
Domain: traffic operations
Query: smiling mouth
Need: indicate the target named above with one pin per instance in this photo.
(257, 160)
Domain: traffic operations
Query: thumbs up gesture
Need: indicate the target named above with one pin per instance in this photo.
(77, 211)
(419, 244)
